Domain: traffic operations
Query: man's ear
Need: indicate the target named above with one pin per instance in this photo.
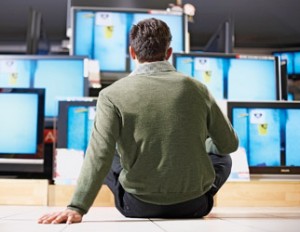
(169, 53)
(132, 53)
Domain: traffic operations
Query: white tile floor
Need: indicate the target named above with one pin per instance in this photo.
(108, 219)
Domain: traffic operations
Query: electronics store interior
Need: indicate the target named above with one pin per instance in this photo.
(57, 56)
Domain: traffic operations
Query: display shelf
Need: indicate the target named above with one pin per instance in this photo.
(23, 192)
(256, 193)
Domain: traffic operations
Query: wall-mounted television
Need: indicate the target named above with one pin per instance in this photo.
(75, 122)
(269, 132)
(103, 34)
(21, 133)
(61, 76)
(293, 62)
(233, 76)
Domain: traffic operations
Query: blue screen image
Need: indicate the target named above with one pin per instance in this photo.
(61, 79)
(264, 133)
(297, 62)
(18, 123)
(80, 124)
(232, 78)
(293, 137)
(104, 36)
(15, 73)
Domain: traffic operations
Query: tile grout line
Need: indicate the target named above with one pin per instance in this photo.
(157, 225)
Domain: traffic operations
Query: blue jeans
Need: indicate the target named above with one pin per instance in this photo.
(130, 206)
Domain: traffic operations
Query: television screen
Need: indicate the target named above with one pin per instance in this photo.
(21, 134)
(293, 62)
(103, 34)
(75, 123)
(61, 76)
(269, 133)
(233, 77)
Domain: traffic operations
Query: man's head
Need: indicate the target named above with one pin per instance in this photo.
(150, 40)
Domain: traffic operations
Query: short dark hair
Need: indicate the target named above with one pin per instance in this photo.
(150, 39)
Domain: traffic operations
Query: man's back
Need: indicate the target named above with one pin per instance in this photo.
(164, 117)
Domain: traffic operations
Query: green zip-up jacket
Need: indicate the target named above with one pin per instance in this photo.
(160, 120)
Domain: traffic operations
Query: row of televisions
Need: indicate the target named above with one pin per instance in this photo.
(100, 32)
(269, 132)
(62, 78)
(227, 76)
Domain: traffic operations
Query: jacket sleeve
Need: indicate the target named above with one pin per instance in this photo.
(98, 157)
(222, 138)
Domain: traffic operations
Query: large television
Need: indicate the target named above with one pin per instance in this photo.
(293, 62)
(75, 122)
(233, 76)
(103, 34)
(61, 76)
(21, 134)
(269, 132)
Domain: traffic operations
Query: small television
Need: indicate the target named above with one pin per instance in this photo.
(269, 132)
(233, 76)
(21, 134)
(103, 34)
(61, 76)
(293, 62)
(75, 122)
(222, 41)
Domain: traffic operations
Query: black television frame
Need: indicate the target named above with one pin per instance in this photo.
(62, 125)
(50, 120)
(22, 167)
(235, 56)
(280, 170)
(111, 76)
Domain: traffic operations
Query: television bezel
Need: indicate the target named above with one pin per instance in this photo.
(62, 120)
(282, 170)
(111, 76)
(23, 164)
(235, 56)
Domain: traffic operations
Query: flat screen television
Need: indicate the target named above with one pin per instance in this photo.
(36, 38)
(61, 76)
(293, 62)
(222, 41)
(21, 133)
(75, 122)
(233, 76)
(269, 132)
(103, 34)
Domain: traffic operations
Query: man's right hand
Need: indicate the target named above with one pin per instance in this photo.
(67, 216)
